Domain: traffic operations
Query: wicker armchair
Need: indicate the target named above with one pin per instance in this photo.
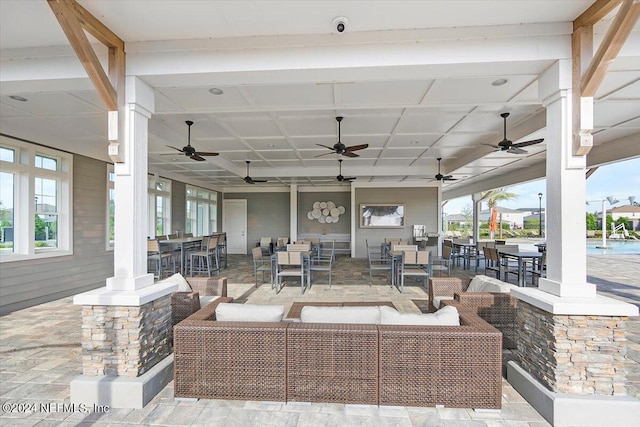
(497, 309)
(184, 304)
(208, 285)
(446, 287)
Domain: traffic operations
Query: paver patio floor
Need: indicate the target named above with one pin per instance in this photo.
(40, 354)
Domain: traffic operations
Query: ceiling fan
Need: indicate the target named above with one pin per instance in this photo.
(440, 177)
(341, 178)
(191, 152)
(248, 179)
(342, 149)
(510, 147)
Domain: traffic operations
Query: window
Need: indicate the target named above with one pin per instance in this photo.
(201, 211)
(111, 208)
(159, 206)
(35, 201)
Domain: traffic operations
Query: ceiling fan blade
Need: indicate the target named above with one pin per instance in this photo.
(207, 153)
(326, 146)
(325, 154)
(449, 178)
(195, 156)
(179, 149)
(356, 147)
(258, 180)
(497, 147)
(350, 154)
(516, 150)
(351, 178)
(248, 180)
(527, 143)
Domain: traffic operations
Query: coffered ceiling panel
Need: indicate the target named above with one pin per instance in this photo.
(413, 80)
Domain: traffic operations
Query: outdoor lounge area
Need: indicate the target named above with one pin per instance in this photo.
(41, 354)
(233, 213)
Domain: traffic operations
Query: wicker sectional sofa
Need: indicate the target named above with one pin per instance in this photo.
(454, 366)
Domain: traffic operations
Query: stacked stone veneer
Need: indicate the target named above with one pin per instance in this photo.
(573, 354)
(125, 341)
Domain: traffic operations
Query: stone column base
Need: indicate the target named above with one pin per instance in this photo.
(122, 392)
(561, 409)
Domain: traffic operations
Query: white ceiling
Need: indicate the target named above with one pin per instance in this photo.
(413, 79)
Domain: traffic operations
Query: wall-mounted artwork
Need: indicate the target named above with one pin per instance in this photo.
(325, 212)
(381, 216)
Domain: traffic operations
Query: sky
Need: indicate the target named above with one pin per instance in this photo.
(619, 180)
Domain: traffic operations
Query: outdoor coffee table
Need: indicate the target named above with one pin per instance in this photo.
(296, 307)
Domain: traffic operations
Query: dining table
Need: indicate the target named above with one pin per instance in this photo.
(465, 249)
(522, 257)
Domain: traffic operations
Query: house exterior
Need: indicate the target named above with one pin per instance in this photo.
(514, 217)
(631, 212)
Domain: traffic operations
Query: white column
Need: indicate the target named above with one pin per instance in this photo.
(293, 212)
(566, 190)
(130, 247)
(477, 203)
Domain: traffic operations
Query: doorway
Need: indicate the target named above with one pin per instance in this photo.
(234, 223)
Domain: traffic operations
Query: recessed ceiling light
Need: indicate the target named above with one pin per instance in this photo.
(499, 82)
(216, 91)
(18, 98)
(271, 145)
(414, 142)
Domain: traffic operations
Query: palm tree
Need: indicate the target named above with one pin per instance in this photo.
(494, 196)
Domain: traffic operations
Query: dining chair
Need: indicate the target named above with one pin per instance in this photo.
(261, 264)
(266, 245)
(377, 261)
(222, 249)
(298, 247)
(404, 247)
(414, 264)
(321, 264)
(162, 260)
(539, 269)
(442, 263)
(205, 258)
(281, 244)
(327, 247)
(289, 264)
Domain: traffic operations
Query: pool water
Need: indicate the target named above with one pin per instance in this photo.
(614, 247)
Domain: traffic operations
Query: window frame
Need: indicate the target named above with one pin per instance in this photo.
(25, 173)
(152, 214)
(211, 200)
(110, 188)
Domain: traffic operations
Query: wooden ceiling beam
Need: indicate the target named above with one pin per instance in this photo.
(618, 32)
(74, 20)
(94, 27)
(598, 10)
(589, 70)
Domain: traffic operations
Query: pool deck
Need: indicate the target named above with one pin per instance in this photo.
(40, 354)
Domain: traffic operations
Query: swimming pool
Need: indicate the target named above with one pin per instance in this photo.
(613, 247)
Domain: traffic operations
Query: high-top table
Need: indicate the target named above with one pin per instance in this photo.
(182, 243)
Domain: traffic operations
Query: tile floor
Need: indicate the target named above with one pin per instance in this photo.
(40, 354)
